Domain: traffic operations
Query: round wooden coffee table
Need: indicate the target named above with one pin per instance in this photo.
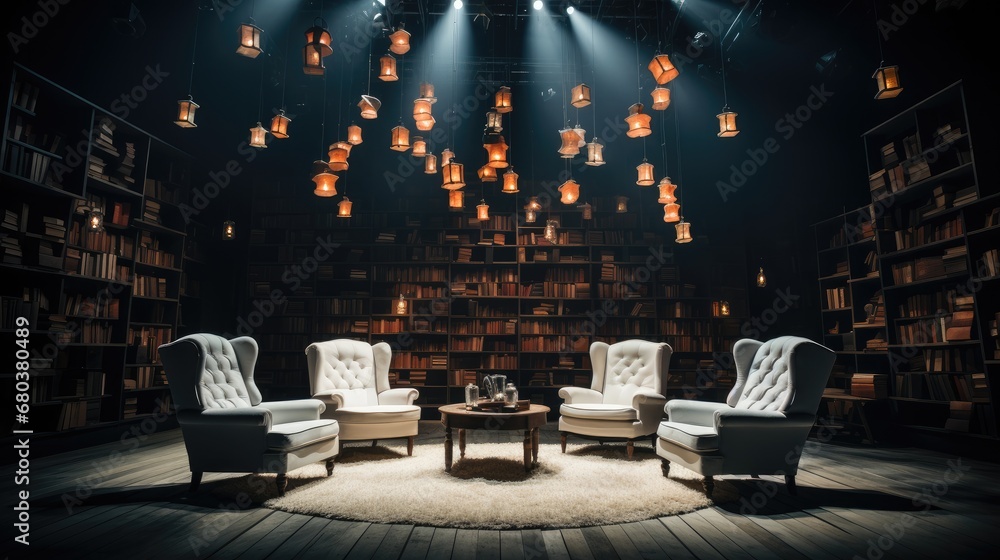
(455, 416)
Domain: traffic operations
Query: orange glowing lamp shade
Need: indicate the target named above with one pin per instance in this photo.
(95, 220)
(456, 199)
(482, 211)
(502, 100)
(249, 41)
(683, 231)
(229, 230)
(487, 174)
(586, 211)
(671, 212)
(419, 146)
(510, 181)
(399, 40)
(318, 46)
(662, 69)
(496, 154)
(325, 184)
(494, 121)
(369, 107)
(185, 113)
(400, 138)
(580, 95)
(569, 143)
(887, 81)
(621, 204)
(422, 109)
(533, 203)
(570, 191)
(430, 164)
(645, 174)
(258, 135)
(426, 125)
(387, 68)
(427, 92)
(354, 135)
(530, 215)
(727, 123)
(661, 98)
(344, 208)
(312, 60)
(446, 155)
(454, 175)
(595, 153)
(551, 232)
(638, 122)
(667, 189)
(338, 156)
(279, 125)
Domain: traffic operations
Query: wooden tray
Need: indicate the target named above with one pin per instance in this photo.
(498, 406)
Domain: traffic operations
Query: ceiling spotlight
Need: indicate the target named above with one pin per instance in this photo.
(537, 5)
(570, 10)
(458, 4)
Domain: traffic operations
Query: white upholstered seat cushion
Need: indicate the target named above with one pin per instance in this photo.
(692, 436)
(292, 435)
(600, 411)
(379, 414)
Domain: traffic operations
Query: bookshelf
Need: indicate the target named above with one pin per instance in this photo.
(98, 302)
(936, 238)
(481, 297)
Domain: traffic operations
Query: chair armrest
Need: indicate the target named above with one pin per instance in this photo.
(399, 396)
(299, 410)
(333, 398)
(580, 395)
(254, 417)
(736, 418)
(698, 413)
(649, 405)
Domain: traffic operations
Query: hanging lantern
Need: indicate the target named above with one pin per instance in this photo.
(581, 134)
(426, 125)
(482, 211)
(249, 40)
(645, 171)
(487, 174)
(581, 96)
(338, 154)
(683, 231)
(344, 208)
(446, 155)
(258, 134)
(496, 154)
(586, 211)
(661, 98)
(724, 309)
(595, 153)
(430, 164)
(761, 279)
(662, 69)
(400, 138)
(399, 40)
(570, 143)
(427, 92)
(318, 46)
(530, 215)
(419, 147)
(279, 125)
(638, 122)
(95, 220)
(533, 203)
(510, 181)
(369, 106)
(387, 68)
(454, 175)
(671, 212)
(456, 200)
(325, 182)
(551, 233)
(502, 98)
(570, 191)
(422, 110)
(666, 191)
(727, 123)
(354, 134)
(229, 230)
(887, 80)
(494, 121)
(621, 204)
(185, 113)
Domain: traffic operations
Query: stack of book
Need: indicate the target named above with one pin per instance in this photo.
(953, 260)
(152, 212)
(918, 169)
(889, 155)
(946, 133)
(10, 249)
(911, 146)
(959, 416)
(870, 385)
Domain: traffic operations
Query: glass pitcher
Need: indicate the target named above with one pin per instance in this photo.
(494, 386)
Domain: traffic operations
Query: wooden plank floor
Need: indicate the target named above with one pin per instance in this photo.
(123, 501)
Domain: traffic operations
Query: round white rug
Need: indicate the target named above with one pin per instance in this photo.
(488, 489)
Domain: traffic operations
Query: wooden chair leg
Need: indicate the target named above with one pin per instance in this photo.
(374, 442)
(630, 448)
(282, 482)
(562, 441)
(409, 446)
(709, 485)
(195, 481)
(665, 467)
(329, 467)
(790, 484)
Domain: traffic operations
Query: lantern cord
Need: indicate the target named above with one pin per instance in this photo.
(722, 56)
(878, 34)
(369, 68)
(340, 102)
(260, 98)
(194, 48)
(454, 71)
(635, 37)
(663, 144)
(593, 73)
(253, 4)
(284, 74)
(677, 141)
(322, 123)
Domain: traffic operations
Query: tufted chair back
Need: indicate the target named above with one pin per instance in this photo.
(620, 369)
(357, 368)
(207, 371)
(785, 374)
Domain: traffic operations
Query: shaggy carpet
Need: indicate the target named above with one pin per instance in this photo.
(488, 489)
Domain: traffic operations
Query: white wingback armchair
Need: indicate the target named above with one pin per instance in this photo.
(352, 378)
(225, 425)
(763, 425)
(626, 395)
